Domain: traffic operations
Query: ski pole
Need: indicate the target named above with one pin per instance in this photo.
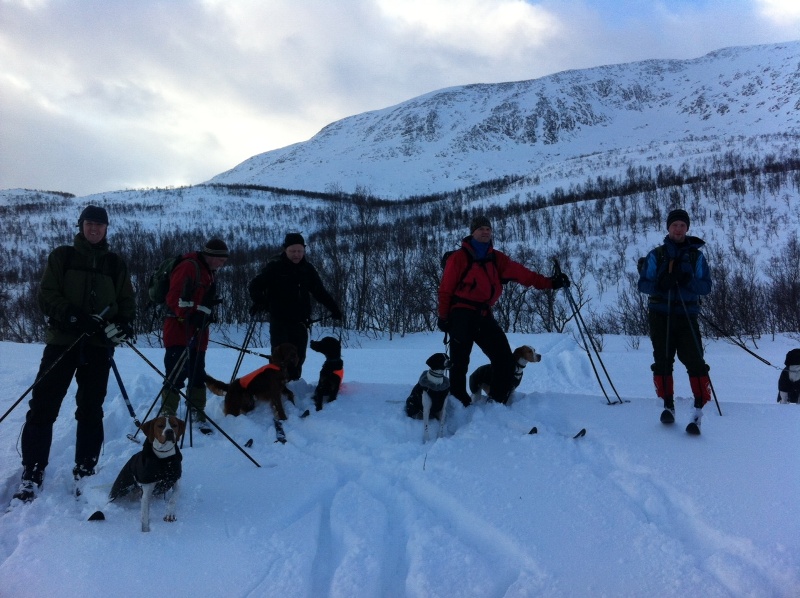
(736, 342)
(581, 325)
(122, 388)
(49, 369)
(699, 347)
(247, 336)
(242, 349)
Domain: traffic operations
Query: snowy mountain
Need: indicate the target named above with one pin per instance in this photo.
(461, 136)
(355, 506)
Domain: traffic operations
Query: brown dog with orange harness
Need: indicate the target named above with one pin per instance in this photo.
(268, 383)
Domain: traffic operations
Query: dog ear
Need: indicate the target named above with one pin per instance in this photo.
(148, 428)
(178, 425)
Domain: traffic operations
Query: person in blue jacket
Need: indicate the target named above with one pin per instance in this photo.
(675, 275)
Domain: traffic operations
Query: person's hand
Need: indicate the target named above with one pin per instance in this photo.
(443, 324)
(87, 323)
(559, 280)
(200, 318)
(667, 280)
(684, 278)
(117, 333)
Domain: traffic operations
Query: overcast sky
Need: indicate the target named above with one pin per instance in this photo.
(103, 95)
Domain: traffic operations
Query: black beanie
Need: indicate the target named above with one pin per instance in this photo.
(678, 215)
(792, 357)
(478, 222)
(216, 248)
(293, 239)
(93, 214)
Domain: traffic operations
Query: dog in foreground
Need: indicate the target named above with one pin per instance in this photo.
(332, 372)
(268, 383)
(156, 469)
(481, 378)
(429, 395)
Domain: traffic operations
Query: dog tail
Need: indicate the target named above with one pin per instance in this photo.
(217, 387)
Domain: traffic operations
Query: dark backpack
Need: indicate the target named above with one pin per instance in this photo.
(158, 287)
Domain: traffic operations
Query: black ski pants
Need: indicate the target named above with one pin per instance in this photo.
(676, 333)
(89, 365)
(468, 327)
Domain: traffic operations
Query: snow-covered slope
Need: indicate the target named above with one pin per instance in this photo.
(460, 136)
(354, 505)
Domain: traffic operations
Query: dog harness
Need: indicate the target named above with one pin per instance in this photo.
(246, 380)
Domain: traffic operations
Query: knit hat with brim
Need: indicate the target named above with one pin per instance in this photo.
(216, 248)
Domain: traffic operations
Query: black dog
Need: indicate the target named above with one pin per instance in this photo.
(481, 378)
(332, 372)
(429, 395)
(156, 469)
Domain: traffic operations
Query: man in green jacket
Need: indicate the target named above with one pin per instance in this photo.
(87, 296)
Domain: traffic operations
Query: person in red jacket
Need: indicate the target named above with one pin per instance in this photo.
(190, 301)
(470, 286)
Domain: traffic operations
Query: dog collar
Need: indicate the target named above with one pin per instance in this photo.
(158, 448)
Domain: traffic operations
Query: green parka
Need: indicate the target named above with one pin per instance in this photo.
(84, 278)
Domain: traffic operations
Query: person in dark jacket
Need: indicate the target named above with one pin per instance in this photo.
(675, 275)
(283, 289)
(87, 296)
(470, 286)
(191, 299)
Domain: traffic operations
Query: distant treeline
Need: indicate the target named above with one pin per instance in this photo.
(381, 258)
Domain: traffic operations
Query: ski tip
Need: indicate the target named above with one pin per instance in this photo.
(97, 516)
(693, 429)
(305, 414)
(534, 430)
(581, 433)
(249, 443)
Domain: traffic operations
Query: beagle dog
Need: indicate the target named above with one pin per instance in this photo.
(481, 377)
(156, 469)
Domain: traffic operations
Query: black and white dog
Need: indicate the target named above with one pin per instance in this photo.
(156, 469)
(428, 397)
(789, 380)
(332, 372)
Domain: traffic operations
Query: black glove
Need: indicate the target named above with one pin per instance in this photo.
(336, 314)
(86, 323)
(559, 280)
(199, 319)
(443, 324)
(666, 281)
(684, 278)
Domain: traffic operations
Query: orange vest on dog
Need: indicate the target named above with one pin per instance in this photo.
(246, 380)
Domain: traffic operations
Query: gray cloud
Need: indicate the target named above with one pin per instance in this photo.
(107, 94)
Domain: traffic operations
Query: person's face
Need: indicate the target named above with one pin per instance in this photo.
(482, 234)
(215, 262)
(295, 253)
(94, 231)
(677, 231)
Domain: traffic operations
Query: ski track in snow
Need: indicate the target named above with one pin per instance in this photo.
(369, 510)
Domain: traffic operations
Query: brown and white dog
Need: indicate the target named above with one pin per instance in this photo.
(156, 469)
(481, 377)
(268, 383)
